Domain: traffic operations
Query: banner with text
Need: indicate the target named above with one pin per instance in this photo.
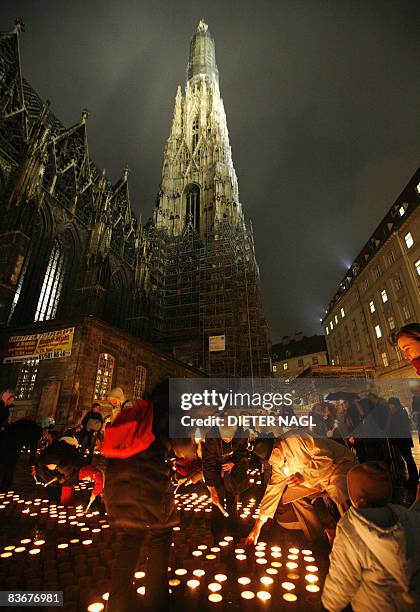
(49, 345)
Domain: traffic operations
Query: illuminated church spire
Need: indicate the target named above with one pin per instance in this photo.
(199, 187)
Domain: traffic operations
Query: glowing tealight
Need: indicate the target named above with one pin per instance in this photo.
(199, 573)
(291, 565)
(34, 551)
(239, 551)
(263, 595)
(20, 549)
(10, 547)
(74, 541)
(247, 595)
(288, 586)
(261, 561)
(210, 557)
(215, 597)
(312, 588)
(309, 559)
(259, 553)
(311, 568)
(105, 596)
(87, 542)
(214, 587)
(139, 575)
(266, 580)
(311, 578)
(96, 607)
(5, 555)
(293, 557)
(180, 571)
(289, 597)
(193, 584)
(275, 564)
(197, 553)
(228, 538)
(244, 580)
(220, 577)
(202, 547)
(25, 541)
(272, 571)
(141, 590)
(62, 546)
(174, 582)
(306, 552)
(294, 551)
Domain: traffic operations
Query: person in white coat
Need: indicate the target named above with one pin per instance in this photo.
(302, 467)
(375, 559)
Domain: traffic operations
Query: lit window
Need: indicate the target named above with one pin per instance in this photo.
(300, 363)
(409, 240)
(391, 323)
(378, 331)
(384, 296)
(332, 362)
(26, 379)
(103, 384)
(342, 313)
(418, 188)
(327, 331)
(336, 319)
(385, 360)
(51, 286)
(391, 257)
(274, 368)
(139, 382)
(18, 288)
(406, 310)
(417, 264)
(401, 211)
(372, 306)
(285, 366)
(331, 325)
(398, 353)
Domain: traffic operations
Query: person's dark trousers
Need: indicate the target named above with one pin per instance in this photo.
(87, 443)
(407, 455)
(6, 476)
(122, 596)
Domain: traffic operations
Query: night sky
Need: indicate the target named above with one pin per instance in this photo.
(322, 101)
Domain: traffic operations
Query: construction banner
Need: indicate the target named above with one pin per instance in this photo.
(50, 345)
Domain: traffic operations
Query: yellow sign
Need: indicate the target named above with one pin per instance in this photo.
(217, 343)
(50, 345)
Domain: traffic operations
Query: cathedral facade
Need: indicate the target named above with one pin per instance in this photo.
(186, 283)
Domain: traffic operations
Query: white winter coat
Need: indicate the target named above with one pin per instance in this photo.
(375, 561)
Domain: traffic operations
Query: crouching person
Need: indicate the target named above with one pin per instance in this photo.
(303, 468)
(375, 560)
(139, 500)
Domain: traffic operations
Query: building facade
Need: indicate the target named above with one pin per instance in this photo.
(380, 292)
(293, 355)
(186, 284)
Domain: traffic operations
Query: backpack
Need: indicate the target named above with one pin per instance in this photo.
(130, 433)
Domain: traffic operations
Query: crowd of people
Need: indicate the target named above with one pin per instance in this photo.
(327, 484)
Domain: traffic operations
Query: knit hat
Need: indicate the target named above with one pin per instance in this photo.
(369, 484)
(118, 394)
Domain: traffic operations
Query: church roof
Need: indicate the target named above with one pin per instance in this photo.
(202, 58)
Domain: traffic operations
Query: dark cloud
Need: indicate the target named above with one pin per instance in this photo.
(322, 103)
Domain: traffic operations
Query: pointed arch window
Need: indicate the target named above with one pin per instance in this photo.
(195, 134)
(139, 382)
(19, 287)
(104, 375)
(193, 206)
(51, 285)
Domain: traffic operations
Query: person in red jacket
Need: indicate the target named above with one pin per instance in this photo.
(95, 475)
